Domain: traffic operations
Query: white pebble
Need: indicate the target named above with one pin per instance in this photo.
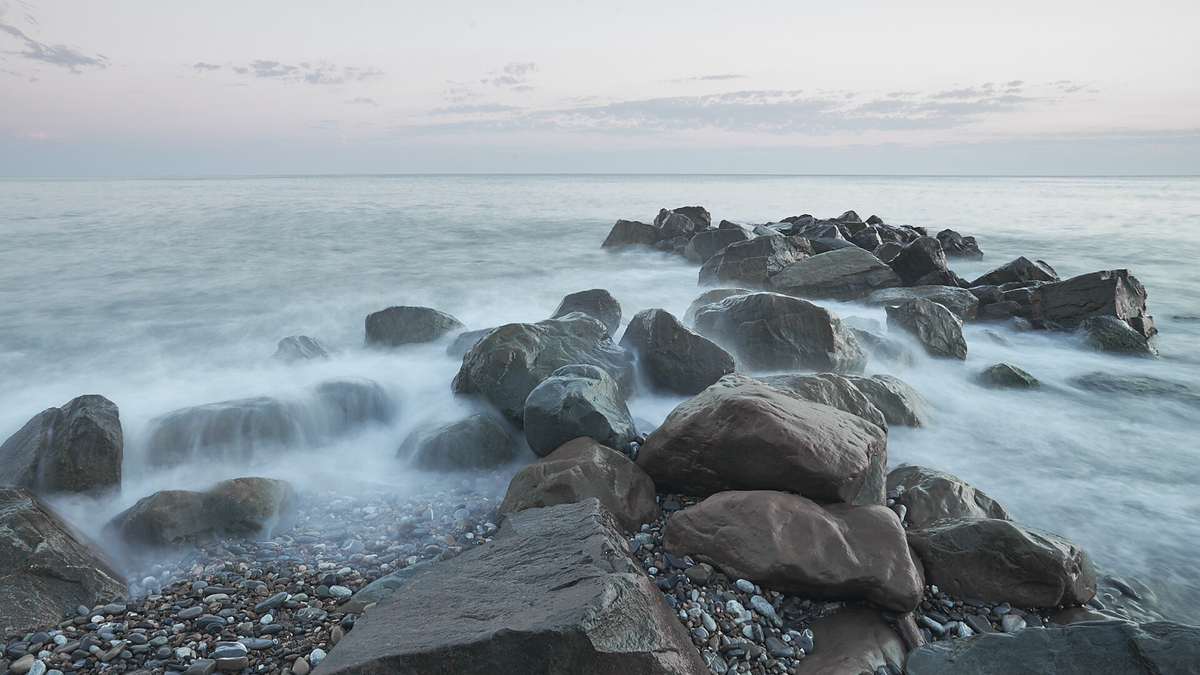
(266, 620)
(316, 656)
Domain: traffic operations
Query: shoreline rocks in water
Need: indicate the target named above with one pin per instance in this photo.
(77, 448)
(396, 326)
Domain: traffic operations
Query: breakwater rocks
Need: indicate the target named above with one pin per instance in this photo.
(757, 530)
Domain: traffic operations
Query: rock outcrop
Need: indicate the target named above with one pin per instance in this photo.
(754, 262)
(671, 356)
(844, 274)
(1067, 304)
(930, 496)
(77, 448)
(1020, 270)
(918, 259)
(1110, 334)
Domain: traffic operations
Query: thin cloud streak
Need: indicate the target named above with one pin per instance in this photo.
(62, 56)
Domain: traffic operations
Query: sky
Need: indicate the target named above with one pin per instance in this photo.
(1046, 87)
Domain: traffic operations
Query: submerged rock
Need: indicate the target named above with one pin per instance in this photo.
(480, 441)
(1008, 376)
(930, 496)
(932, 324)
(397, 326)
(899, 402)
(597, 303)
(844, 274)
(1110, 334)
(1137, 385)
(76, 448)
(463, 343)
(301, 348)
(671, 356)
(575, 401)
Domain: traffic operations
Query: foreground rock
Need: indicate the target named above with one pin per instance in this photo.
(768, 331)
(932, 324)
(506, 364)
(575, 401)
(1002, 561)
(556, 592)
(844, 274)
(1112, 648)
(479, 441)
(853, 641)
(929, 496)
(754, 262)
(962, 302)
(583, 469)
(46, 569)
(741, 434)
(597, 303)
(301, 348)
(671, 356)
(899, 402)
(831, 390)
(1110, 334)
(1110, 293)
(397, 326)
(76, 448)
(256, 507)
(791, 544)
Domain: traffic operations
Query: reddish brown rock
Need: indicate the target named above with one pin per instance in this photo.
(929, 496)
(855, 640)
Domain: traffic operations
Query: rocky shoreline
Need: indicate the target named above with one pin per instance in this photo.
(757, 530)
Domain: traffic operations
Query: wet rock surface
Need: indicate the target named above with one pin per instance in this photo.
(831, 390)
(672, 357)
(844, 274)
(575, 401)
(396, 326)
(301, 348)
(597, 303)
(929, 496)
(479, 441)
(900, 403)
(934, 326)
(962, 302)
(1117, 293)
(76, 448)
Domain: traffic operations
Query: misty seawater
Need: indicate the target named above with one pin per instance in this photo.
(167, 293)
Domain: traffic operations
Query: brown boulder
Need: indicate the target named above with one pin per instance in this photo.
(582, 469)
(831, 390)
(855, 640)
(791, 544)
(929, 496)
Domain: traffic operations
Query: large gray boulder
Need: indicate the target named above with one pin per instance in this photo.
(899, 402)
(768, 331)
(831, 390)
(597, 303)
(705, 245)
(632, 233)
(242, 507)
(301, 348)
(918, 259)
(1111, 647)
(397, 326)
(934, 326)
(752, 263)
(961, 301)
(843, 274)
(507, 363)
(671, 356)
(577, 400)
(711, 297)
(583, 469)
(556, 592)
(76, 448)
(1110, 293)
(1001, 561)
(479, 441)
(741, 434)
(46, 568)
(683, 220)
(791, 544)
(1110, 334)
(930, 496)
(1020, 270)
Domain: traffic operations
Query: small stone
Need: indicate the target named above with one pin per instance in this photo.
(336, 635)
(37, 668)
(707, 621)
(115, 609)
(316, 656)
(190, 613)
(256, 644)
(339, 592)
(979, 624)
(271, 603)
(1011, 623)
(239, 663)
(697, 575)
(745, 586)
(300, 667)
(777, 648)
(764, 608)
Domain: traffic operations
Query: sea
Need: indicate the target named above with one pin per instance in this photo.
(165, 293)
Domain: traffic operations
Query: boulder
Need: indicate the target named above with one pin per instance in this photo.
(597, 303)
(843, 274)
(671, 356)
(741, 434)
(768, 331)
(77, 448)
(918, 258)
(1006, 375)
(683, 221)
(832, 390)
(753, 262)
(397, 326)
(301, 348)
(957, 246)
(577, 400)
(506, 365)
(242, 507)
(46, 568)
(936, 327)
(711, 297)
(899, 402)
(1110, 334)
(480, 441)
(930, 496)
(555, 592)
(794, 545)
(583, 469)
(463, 343)
(867, 239)
(1021, 269)
(238, 430)
(962, 302)
(942, 278)
(1112, 648)
(854, 640)
(632, 233)
(999, 561)
(1111, 293)
(705, 245)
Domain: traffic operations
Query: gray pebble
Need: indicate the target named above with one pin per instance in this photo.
(745, 586)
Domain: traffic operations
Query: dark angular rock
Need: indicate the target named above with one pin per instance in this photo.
(301, 348)
(575, 401)
(936, 327)
(1008, 376)
(711, 297)
(960, 301)
(555, 592)
(831, 390)
(632, 233)
(671, 356)
(597, 303)
(78, 448)
(917, 259)
(957, 246)
(844, 274)
(480, 441)
(397, 326)
(1021, 269)
(899, 402)
(887, 251)
(930, 496)
(1110, 334)
(683, 221)
(753, 262)
(1111, 293)
(705, 245)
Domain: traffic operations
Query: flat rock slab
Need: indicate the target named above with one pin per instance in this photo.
(1112, 648)
(843, 274)
(555, 592)
(962, 302)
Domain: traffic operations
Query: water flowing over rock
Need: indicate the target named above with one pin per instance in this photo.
(899, 402)
(632, 233)
(301, 348)
(1001, 561)
(1137, 386)
(1006, 375)
(575, 401)
(397, 326)
(238, 430)
(961, 301)
(555, 592)
(711, 297)
(509, 362)
(930, 496)
(76, 448)
(1110, 334)
(753, 262)
(831, 390)
(1112, 648)
(921, 257)
(741, 434)
(46, 568)
(932, 324)
(583, 469)
(885, 349)
(671, 356)
(480, 441)
(1110, 293)
(463, 343)
(855, 640)
(844, 274)
(1019, 270)
(791, 544)
(254, 507)
(768, 331)
(597, 303)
